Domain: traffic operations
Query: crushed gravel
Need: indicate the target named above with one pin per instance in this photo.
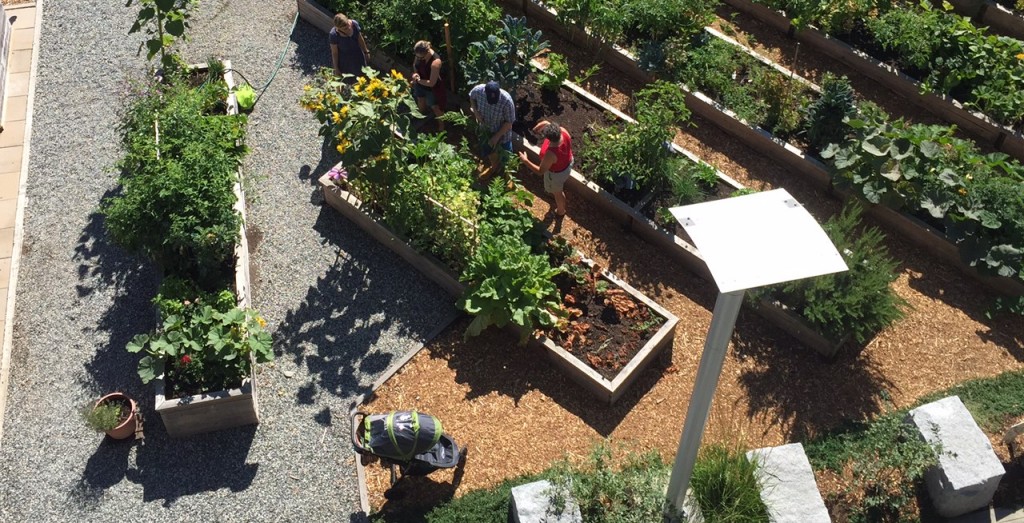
(341, 307)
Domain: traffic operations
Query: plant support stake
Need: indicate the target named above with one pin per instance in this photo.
(451, 60)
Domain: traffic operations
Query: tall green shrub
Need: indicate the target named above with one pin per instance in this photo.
(176, 200)
(639, 156)
(855, 304)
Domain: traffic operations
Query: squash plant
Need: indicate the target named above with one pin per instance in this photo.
(925, 170)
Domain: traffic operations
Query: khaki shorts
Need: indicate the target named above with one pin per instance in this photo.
(555, 182)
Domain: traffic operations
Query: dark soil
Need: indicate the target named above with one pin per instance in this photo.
(575, 115)
(606, 327)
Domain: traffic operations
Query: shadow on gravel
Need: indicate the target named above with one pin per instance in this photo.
(334, 331)
(801, 392)
(329, 157)
(170, 469)
(105, 268)
(311, 48)
(105, 468)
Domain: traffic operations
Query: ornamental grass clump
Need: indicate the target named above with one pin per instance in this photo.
(725, 487)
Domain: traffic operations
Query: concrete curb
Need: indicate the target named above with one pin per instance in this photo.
(19, 221)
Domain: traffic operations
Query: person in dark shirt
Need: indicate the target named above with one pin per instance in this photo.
(427, 87)
(349, 53)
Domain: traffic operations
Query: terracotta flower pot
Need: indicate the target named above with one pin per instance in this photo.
(127, 428)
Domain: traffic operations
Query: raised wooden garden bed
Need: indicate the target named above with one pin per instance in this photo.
(678, 247)
(609, 390)
(985, 129)
(216, 410)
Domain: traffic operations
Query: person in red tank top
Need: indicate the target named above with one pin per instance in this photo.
(555, 161)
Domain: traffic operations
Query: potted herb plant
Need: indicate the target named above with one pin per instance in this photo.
(115, 414)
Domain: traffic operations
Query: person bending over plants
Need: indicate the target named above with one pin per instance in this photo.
(494, 109)
(556, 161)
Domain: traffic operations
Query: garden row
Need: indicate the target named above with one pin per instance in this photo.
(180, 205)
(962, 216)
(632, 177)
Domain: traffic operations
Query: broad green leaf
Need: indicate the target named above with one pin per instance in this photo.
(175, 28)
(138, 343)
(146, 369)
(930, 149)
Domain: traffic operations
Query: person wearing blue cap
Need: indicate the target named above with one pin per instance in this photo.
(495, 111)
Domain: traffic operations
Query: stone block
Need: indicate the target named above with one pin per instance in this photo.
(534, 503)
(969, 470)
(788, 487)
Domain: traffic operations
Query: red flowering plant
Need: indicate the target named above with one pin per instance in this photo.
(204, 344)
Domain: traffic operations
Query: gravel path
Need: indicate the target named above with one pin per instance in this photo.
(342, 309)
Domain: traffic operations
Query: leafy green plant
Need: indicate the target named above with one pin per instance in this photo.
(883, 471)
(164, 21)
(504, 212)
(831, 16)
(176, 201)
(504, 56)
(602, 18)
(556, 72)
(433, 205)
(633, 492)
(102, 417)
(857, 303)
(783, 97)
(725, 486)
(656, 20)
(926, 170)
(585, 75)
(639, 156)
(824, 116)
(506, 284)
(206, 349)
